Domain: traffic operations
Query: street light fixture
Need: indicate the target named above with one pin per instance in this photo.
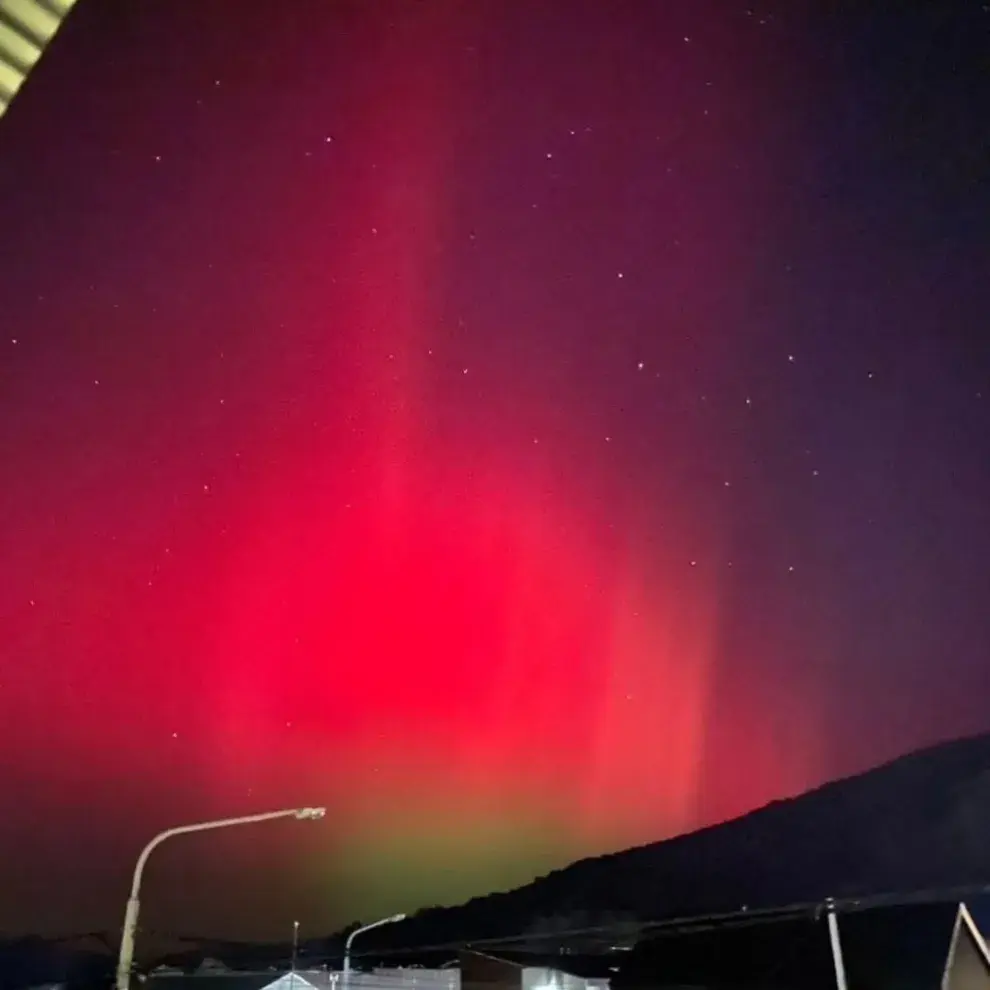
(392, 919)
(129, 932)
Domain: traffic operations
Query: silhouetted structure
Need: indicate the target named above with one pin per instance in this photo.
(916, 823)
(527, 971)
(909, 947)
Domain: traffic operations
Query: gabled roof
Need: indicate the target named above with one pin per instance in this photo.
(907, 947)
(225, 979)
(969, 959)
(211, 965)
(298, 981)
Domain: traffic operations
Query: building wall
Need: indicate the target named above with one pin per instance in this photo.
(485, 973)
(552, 979)
(382, 979)
(408, 979)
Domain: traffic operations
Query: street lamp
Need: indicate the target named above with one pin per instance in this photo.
(357, 931)
(129, 932)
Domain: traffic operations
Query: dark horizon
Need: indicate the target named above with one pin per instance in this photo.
(526, 433)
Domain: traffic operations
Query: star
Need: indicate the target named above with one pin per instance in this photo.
(400, 497)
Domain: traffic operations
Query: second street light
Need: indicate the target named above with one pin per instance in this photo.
(391, 920)
(129, 932)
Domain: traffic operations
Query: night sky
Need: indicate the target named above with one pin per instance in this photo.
(527, 429)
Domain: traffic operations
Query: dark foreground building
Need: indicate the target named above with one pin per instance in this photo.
(532, 971)
(908, 947)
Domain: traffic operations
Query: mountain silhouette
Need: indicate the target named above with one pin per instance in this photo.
(920, 822)
(917, 823)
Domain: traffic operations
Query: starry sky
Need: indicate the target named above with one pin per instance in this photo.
(527, 430)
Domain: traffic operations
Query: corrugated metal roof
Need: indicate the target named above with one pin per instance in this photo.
(27, 28)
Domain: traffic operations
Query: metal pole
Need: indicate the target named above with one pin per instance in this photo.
(295, 953)
(836, 942)
(127, 936)
(358, 931)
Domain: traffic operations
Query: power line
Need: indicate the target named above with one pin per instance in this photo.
(739, 916)
(680, 924)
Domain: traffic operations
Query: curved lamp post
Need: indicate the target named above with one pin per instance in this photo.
(126, 956)
(357, 931)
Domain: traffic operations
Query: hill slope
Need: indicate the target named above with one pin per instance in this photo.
(920, 821)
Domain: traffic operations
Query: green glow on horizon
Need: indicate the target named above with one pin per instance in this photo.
(418, 860)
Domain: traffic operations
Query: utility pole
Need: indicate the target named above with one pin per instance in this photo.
(295, 954)
(836, 942)
(358, 931)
